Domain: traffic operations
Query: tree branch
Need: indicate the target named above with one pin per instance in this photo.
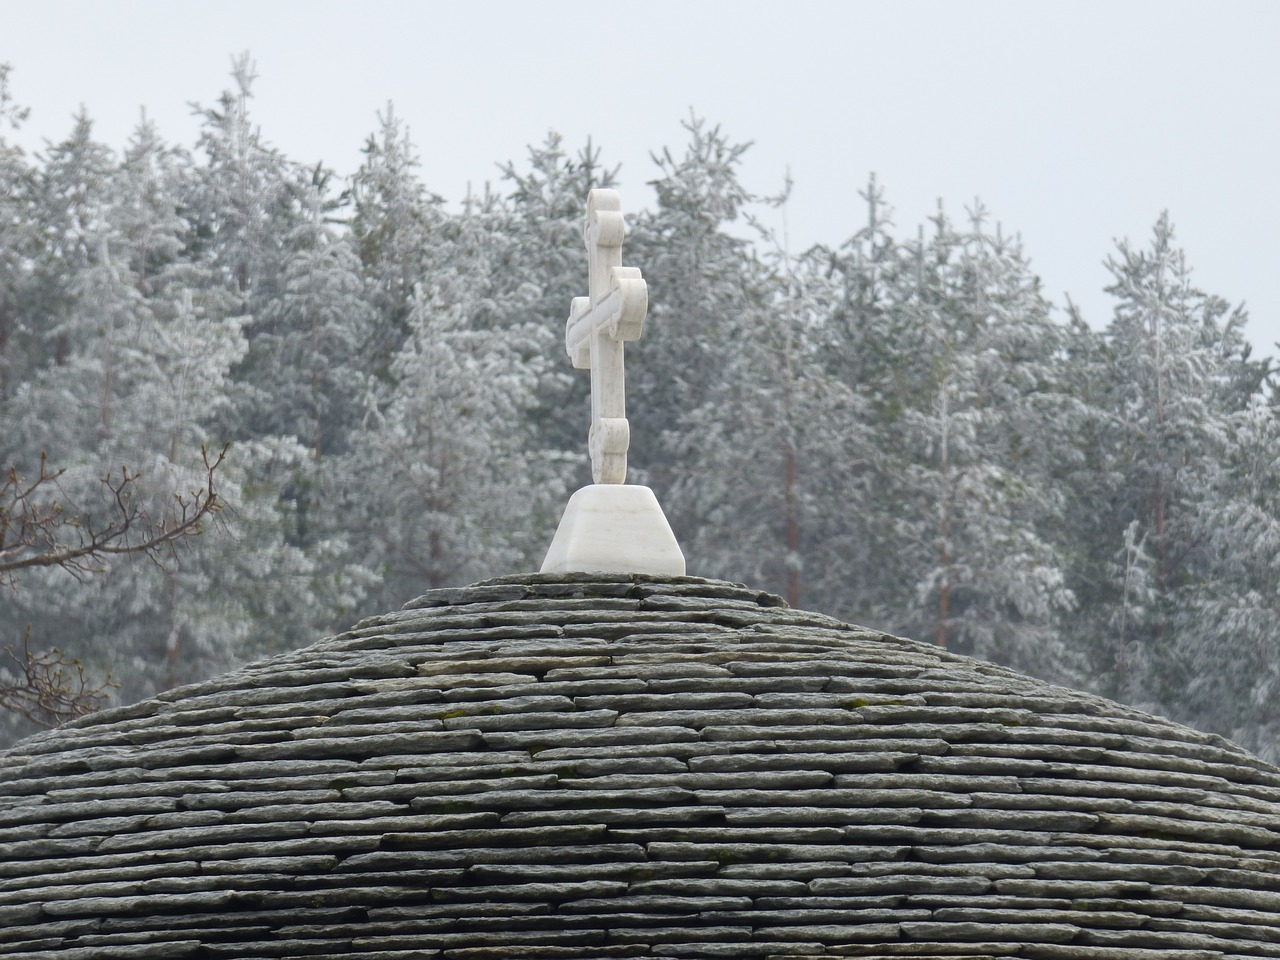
(48, 688)
(41, 527)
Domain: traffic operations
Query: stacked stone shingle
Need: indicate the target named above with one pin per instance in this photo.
(577, 767)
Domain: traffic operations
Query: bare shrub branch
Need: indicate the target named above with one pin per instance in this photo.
(40, 525)
(48, 688)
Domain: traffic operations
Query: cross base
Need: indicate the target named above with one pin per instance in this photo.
(614, 528)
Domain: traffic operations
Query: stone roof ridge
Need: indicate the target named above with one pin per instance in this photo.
(596, 585)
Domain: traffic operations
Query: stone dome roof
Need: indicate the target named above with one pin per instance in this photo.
(573, 766)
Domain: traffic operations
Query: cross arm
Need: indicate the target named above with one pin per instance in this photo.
(620, 315)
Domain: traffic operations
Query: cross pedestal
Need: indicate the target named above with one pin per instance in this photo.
(610, 526)
(614, 528)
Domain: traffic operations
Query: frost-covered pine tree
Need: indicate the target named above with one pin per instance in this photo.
(106, 405)
(700, 276)
(303, 372)
(19, 338)
(396, 226)
(1225, 629)
(1171, 373)
(867, 343)
(770, 464)
(140, 344)
(958, 376)
(241, 203)
(997, 580)
(151, 188)
(442, 481)
(541, 219)
(85, 308)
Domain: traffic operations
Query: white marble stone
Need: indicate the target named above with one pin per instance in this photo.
(614, 528)
(597, 327)
(610, 526)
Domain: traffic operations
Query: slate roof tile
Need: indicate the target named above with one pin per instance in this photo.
(607, 767)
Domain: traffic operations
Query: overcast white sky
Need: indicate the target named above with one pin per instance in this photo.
(1076, 123)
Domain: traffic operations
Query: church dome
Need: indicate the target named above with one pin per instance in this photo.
(596, 766)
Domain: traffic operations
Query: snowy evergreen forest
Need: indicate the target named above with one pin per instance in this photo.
(898, 430)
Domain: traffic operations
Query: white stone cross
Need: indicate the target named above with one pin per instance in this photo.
(598, 324)
(610, 526)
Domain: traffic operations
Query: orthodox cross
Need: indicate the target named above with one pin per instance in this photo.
(598, 325)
